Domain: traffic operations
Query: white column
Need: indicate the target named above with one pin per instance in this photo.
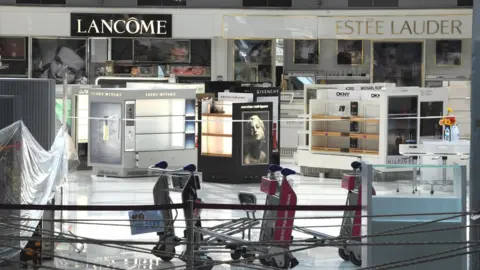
(219, 58)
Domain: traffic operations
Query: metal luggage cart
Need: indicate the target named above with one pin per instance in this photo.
(276, 228)
(350, 230)
(187, 182)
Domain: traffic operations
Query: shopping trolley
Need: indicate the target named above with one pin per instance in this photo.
(276, 228)
(350, 229)
(186, 182)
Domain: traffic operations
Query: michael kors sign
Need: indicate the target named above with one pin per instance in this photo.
(121, 25)
(393, 27)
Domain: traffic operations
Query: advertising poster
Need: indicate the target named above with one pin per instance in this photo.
(350, 52)
(162, 51)
(306, 52)
(275, 109)
(105, 138)
(399, 63)
(255, 134)
(190, 71)
(448, 52)
(51, 56)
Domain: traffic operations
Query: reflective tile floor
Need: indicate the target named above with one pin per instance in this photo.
(84, 189)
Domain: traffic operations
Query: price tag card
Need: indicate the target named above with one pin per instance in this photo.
(146, 222)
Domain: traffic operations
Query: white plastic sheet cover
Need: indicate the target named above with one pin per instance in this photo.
(29, 174)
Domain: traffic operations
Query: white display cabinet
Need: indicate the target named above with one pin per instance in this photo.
(345, 126)
(351, 125)
(394, 212)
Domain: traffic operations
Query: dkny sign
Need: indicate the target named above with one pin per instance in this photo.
(120, 25)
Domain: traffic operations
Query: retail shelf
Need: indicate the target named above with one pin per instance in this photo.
(345, 134)
(217, 135)
(350, 118)
(217, 115)
(216, 155)
(344, 150)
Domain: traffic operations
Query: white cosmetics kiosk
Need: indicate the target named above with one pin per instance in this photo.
(351, 125)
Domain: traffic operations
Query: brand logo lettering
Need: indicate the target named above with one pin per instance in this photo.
(366, 88)
(343, 94)
(132, 26)
(375, 95)
(349, 88)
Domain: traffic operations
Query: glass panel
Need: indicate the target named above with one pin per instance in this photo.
(429, 127)
(402, 125)
(416, 189)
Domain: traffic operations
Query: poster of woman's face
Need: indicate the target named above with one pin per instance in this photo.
(448, 52)
(12, 48)
(57, 58)
(255, 138)
(306, 51)
(398, 62)
(350, 52)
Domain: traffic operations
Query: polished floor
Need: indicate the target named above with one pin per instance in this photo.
(84, 189)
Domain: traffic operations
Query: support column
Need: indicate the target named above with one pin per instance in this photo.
(219, 58)
(475, 133)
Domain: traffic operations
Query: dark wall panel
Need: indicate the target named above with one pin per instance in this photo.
(38, 106)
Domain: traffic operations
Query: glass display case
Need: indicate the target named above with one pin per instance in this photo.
(402, 123)
(345, 126)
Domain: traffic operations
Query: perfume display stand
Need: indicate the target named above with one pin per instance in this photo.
(131, 129)
(368, 125)
(235, 143)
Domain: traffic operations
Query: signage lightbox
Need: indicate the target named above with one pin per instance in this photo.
(120, 25)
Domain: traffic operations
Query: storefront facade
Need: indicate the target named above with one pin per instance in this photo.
(364, 45)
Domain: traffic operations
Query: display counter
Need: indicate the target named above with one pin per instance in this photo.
(435, 153)
(131, 129)
(413, 219)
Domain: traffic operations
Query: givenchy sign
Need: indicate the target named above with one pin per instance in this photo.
(121, 25)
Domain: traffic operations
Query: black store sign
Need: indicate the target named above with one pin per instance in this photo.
(120, 25)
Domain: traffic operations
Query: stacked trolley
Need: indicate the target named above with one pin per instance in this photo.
(276, 227)
(350, 230)
(187, 182)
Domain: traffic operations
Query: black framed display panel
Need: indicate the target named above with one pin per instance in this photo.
(251, 146)
(267, 94)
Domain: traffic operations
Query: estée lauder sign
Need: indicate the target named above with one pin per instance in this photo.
(396, 27)
(121, 25)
